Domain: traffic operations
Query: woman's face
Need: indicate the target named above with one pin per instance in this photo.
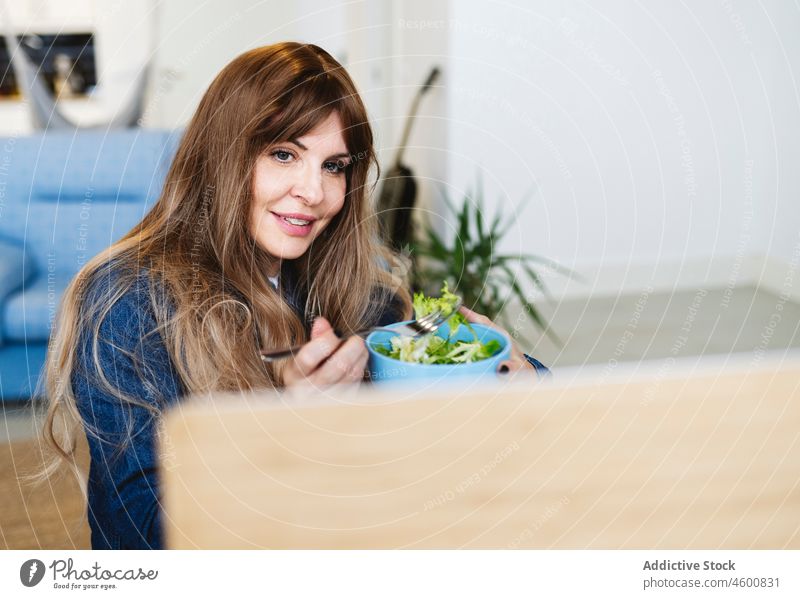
(298, 187)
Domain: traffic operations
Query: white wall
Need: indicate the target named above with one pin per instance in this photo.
(188, 42)
(197, 39)
(420, 42)
(636, 122)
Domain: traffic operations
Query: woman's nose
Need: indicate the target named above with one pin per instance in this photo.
(308, 186)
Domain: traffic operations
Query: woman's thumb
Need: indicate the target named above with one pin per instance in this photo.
(505, 367)
(320, 327)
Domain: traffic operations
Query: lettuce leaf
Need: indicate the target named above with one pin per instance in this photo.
(433, 349)
(446, 303)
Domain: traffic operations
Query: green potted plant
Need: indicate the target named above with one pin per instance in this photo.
(485, 279)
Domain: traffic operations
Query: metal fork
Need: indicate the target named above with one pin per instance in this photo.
(426, 325)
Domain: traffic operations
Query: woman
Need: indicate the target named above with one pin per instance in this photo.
(263, 224)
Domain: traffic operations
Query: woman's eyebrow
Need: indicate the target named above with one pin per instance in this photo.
(299, 144)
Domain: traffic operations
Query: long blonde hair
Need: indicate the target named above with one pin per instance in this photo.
(213, 304)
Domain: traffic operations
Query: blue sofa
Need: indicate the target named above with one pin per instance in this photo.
(64, 197)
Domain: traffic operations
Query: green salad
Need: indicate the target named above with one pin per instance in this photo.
(433, 349)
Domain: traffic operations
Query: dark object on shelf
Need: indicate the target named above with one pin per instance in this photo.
(44, 108)
(399, 191)
(49, 54)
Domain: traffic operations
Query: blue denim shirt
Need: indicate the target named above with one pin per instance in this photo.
(124, 509)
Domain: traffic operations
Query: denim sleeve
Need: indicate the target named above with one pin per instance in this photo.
(541, 369)
(390, 312)
(124, 507)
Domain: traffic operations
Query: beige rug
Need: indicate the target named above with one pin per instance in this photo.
(48, 516)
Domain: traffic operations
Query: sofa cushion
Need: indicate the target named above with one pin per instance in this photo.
(68, 195)
(65, 196)
(29, 314)
(15, 269)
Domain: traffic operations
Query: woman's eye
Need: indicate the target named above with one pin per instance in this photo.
(282, 155)
(335, 168)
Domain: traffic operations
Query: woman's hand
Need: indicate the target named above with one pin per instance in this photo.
(325, 360)
(517, 362)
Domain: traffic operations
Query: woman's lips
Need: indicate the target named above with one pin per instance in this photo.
(293, 230)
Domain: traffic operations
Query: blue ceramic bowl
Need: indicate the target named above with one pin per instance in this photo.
(383, 369)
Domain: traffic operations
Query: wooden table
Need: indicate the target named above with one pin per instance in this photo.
(678, 457)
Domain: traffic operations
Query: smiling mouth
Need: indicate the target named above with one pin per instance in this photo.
(295, 221)
(295, 227)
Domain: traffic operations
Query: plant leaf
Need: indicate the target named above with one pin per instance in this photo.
(537, 280)
(530, 308)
